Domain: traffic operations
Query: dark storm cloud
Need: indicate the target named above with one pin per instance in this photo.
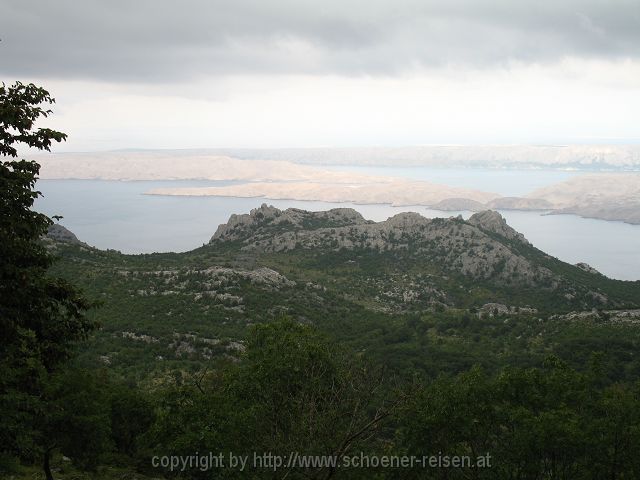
(162, 41)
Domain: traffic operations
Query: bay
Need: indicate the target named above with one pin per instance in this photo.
(117, 215)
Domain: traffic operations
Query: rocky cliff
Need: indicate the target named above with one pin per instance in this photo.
(58, 233)
(478, 248)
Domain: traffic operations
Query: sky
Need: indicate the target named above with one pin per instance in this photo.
(299, 73)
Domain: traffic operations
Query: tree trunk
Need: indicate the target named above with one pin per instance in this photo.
(46, 466)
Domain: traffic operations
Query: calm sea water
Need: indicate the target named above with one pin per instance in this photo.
(114, 214)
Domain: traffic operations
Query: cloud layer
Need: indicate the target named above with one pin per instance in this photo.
(163, 42)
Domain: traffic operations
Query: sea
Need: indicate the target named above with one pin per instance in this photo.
(118, 215)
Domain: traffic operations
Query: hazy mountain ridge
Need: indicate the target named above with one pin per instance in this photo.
(167, 165)
(571, 157)
(605, 196)
(396, 191)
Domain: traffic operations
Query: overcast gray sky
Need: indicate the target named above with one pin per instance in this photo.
(196, 73)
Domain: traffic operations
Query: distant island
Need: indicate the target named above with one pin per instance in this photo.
(534, 157)
(611, 196)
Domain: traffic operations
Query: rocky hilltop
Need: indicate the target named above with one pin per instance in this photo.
(482, 248)
(409, 258)
(267, 226)
(58, 233)
(407, 262)
(266, 219)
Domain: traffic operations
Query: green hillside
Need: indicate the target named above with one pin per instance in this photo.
(407, 302)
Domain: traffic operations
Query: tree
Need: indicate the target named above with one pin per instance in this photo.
(78, 420)
(131, 416)
(41, 317)
(292, 391)
(549, 422)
